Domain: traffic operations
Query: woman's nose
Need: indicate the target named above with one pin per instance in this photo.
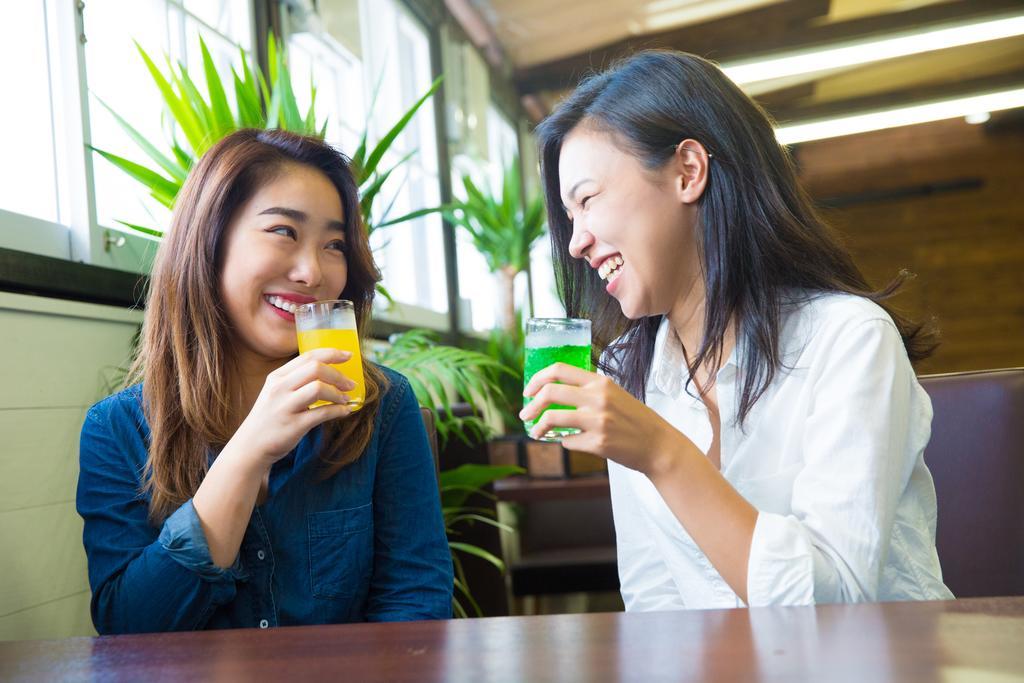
(306, 270)
(580, 242)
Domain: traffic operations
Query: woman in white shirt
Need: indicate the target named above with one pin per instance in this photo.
(756, 399)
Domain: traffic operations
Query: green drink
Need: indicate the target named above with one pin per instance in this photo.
(550, 341)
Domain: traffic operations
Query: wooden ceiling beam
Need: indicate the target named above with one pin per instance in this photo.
(785, 97)
(785, 26)
(901, 98)
(478, 31)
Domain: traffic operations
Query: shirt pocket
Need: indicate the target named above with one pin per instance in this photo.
(341, 551)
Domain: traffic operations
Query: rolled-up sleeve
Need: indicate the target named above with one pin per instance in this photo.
(183, 538)
(859, 455)
(143, 578)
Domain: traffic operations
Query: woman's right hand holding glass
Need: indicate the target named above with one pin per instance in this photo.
(279, 418)
(281, 415)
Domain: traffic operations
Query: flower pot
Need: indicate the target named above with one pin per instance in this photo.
(542, 459)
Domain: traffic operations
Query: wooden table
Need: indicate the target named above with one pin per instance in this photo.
(965, 640)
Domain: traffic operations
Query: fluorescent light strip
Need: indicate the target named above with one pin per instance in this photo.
(906, 116)
(852, 54)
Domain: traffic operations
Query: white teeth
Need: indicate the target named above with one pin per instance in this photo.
(609, 267)
(278, 302)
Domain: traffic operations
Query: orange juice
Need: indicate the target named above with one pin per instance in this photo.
(346, 340)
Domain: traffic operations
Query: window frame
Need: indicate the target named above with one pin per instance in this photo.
(38, 255)
(110, 246)
(401, 313)
(78, 235)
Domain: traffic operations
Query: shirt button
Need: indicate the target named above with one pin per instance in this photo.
(264, 623)
(260, 554)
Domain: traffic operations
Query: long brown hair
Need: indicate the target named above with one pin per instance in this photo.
(190, 379)
(760, 239)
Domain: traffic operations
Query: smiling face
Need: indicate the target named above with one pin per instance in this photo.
(283, 247)
(634, 225)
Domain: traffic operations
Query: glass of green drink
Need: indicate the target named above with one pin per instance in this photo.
(550, 341)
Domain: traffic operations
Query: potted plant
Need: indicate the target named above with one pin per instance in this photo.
(261, 101)
(503, 229)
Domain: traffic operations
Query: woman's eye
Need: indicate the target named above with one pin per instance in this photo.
(284, 231)
(583, 202)
(338, 245)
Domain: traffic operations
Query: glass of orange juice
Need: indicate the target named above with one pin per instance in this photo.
(332, 324)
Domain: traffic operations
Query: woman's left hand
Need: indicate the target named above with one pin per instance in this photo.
(612, 423)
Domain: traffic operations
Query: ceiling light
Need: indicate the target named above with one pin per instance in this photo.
(866, 51)
(905, 116)
(661, 15)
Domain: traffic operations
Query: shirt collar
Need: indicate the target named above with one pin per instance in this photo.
(668, 365)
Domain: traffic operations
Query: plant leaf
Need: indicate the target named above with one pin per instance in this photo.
(412, 215)
(479, 518)
(224, 120)
(172, 167)
(293, 120)
(162, 189)
(458, 483)
(200, 109)
(478, 552)
(385, 142)
(249, 114)
(182, 114)
(138, 228)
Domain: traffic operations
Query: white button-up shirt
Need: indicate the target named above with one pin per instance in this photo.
(830, 455)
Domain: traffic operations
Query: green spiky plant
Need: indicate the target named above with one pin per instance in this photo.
(261, 101)
(457, 485)
(503, 229)
(442, 375)
(438, 373)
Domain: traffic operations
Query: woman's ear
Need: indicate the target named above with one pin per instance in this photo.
(690, 168)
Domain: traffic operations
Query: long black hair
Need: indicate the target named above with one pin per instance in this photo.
(759, 239)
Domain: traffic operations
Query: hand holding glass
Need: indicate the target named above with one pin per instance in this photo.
(550, 341)
(332, 324)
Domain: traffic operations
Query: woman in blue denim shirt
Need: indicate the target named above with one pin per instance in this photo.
(213, 497)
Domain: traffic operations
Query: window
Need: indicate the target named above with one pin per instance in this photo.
(317, 57)
(60, 200)
(118, 79)
(370, 60)
(326, 46)
(339, 87)
(34, 213)
(28, 186)
(546, 303)
(410, 254)
(476, 282)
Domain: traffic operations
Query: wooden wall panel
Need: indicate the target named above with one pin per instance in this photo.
(62, 618)
(44, 558)
(38, 461)
(54, 362)
(57, 360)
(946, 201)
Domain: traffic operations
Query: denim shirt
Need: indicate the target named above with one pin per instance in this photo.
(367, 544)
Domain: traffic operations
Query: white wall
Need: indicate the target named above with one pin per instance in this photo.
(56, 358)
